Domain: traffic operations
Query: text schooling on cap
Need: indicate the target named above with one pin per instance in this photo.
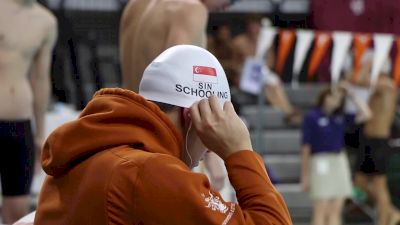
(203, 90)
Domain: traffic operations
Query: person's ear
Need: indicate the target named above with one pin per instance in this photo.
(186, 119)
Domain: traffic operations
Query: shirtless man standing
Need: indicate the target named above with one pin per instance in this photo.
(27, 35)
(245, 45)
(374, 156)
(148, 27)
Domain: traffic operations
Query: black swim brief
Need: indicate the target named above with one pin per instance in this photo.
(373, 157)
(17, 156)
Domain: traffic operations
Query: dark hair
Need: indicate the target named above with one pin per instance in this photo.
(254, 18)
(324, 94)
(218, 27)
(165, 107)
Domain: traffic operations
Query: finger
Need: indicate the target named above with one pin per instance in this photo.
(215, 106)
(228, 107)
(195, 114)
(204, 108)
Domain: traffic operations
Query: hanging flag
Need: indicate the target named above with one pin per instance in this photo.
(362, 42)
(304, 40)
(321, 44)
(341, 46)
(265, 40)
(286, 41)
(396, 70)
(382, 46)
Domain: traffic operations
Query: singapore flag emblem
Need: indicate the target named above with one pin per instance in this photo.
(205, 74)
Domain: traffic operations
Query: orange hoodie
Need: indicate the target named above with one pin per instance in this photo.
(120, 163)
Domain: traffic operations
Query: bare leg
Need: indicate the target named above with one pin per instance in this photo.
(14, 208)
(335, 209)
(362, 181)
(320, 212)
(395, 217)
(38, 165)
(382, 197)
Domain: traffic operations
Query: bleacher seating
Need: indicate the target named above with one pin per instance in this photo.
(273, 117)
(280, 146)
(279, 142)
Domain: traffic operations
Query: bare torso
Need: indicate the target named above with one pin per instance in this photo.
(383, 106)
(23, 29)
(145, 30)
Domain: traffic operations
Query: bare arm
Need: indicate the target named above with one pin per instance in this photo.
(305, 167)
(385, 84)
(40, 81)
(188, 26)
(362, 77)
(363, 111)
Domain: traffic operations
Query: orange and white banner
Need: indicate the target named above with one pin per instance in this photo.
(303, 44)
(321, 42)
(382, 45)
(361, 42)
(341, 46)
(321, 46)
(396, 70)
(286, 41)
(265, 41)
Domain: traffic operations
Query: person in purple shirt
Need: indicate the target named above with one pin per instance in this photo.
(325, 167)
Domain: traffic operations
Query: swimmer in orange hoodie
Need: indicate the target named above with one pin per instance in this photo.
(126, 160)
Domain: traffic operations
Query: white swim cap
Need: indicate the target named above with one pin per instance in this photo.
(182, 75)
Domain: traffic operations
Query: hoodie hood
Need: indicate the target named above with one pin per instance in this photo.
(114, 117)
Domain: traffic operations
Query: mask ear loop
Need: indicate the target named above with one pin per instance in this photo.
(186, 145)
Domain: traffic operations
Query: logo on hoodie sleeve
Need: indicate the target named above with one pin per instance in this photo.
(214, 203)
